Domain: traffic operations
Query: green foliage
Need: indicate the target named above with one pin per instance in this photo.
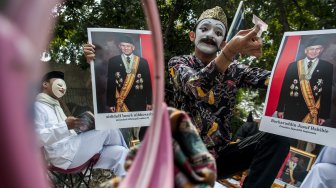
(177, 19)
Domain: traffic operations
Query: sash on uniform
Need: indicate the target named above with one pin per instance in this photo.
(128, 83)
(308, 96)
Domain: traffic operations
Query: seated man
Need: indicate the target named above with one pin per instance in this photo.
(64, 148)
(323, 172)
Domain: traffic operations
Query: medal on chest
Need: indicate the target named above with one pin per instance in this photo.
(294, 88)
(139, 82)
(317, 88)
(118, 79)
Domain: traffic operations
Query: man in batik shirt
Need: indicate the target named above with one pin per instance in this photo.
(205, 86)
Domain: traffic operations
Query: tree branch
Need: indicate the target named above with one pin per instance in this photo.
(283, 15)
(300, 12)
(176, 8)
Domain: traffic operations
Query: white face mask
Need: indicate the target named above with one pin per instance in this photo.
(58, 88)
(209, 35)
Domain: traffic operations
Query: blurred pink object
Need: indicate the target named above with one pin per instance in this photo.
(153, 165)
(24, 29)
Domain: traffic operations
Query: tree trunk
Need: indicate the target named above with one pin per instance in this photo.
(174, 13)
(283, 15)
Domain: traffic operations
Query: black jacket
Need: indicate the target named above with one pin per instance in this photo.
(138, 97)
(294, 107)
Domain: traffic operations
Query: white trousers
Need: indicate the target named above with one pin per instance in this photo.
(323, 173)
(111, 146)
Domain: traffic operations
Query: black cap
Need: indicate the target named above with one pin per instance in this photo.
(53, 74)
(315, 41)
(126, 39)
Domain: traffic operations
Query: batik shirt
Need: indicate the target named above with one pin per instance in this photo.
(208, 96)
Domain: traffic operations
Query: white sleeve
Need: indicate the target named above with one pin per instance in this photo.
(47, 128)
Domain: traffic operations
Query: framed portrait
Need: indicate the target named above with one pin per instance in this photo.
(301, 97)
(121, 77)
(295, 168)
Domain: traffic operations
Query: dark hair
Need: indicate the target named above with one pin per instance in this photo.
(50, 75)
(53, 74)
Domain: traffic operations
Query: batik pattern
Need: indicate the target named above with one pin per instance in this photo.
(194, 166)
(209, 96)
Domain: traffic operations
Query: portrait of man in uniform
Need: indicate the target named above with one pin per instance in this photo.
(129, 85)
(121, 77)
(301, 98)
(307, 86)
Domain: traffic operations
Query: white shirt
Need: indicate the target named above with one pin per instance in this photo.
(128, 67)
(59, 143)
(322, 174)
(309, 72)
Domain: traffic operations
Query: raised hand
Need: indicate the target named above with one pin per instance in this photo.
(246, 42)
(89, 52)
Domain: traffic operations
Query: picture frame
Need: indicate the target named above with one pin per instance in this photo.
(309, 156)
(294, 87)
(121, 91)
(295, 168)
